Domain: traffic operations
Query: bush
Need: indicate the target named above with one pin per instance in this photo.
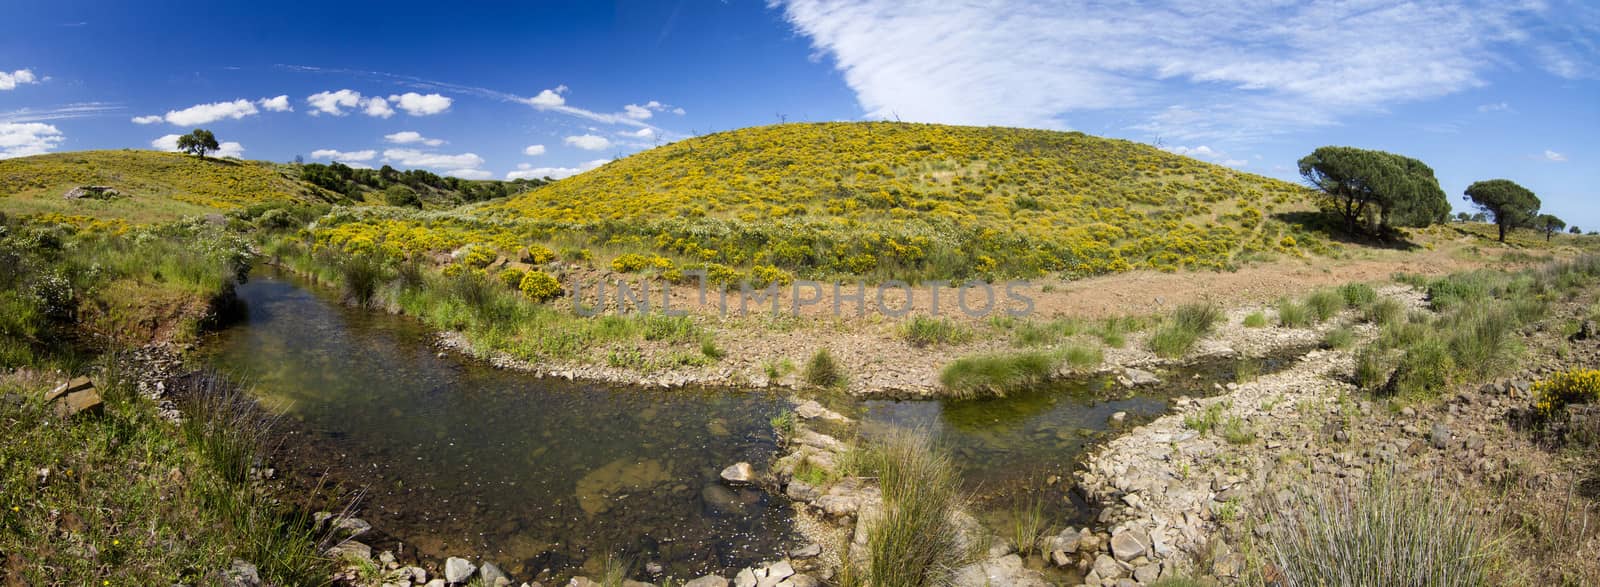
(1293, 315)
(539, 286)
(1576, 386)
(915, 541)
(359, 277)
(1255, 320)
(924, 331)
(823, 371)
(1385, 534)
(1384, 312)
(1357, 295)
(1425, 367)
(1372, 369)
(1184, 328)
(400, 195)
(1083, 357)
(996, 374)
(1339, 338)
(1325, 304)
(511, 277)
(629, 263)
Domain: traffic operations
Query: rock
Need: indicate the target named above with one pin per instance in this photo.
(1147, 573)
(458, 570)
(75, 396)
(582, 582)
(492, 575)
(1107, 567)
(241, 574)
(350, 527)
(811, 410)
(435, 583)
(708, 581)
(812, 550)
(1139, 377)
(745, 578)
(722, 500)
(1004, 570)
(1119, 417)
(775, 573)
(1439, 436)
(739, 474)
(801, 580)
(1229, 565)
(801, 491)
(633, 583)
(93, 192)
(654, 569)
(1586, 331)
(350, 549)
(1129, 544)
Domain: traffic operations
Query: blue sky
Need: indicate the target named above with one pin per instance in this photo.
(1478, 90)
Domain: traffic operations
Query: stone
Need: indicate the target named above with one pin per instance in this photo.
(775, 573)
(1003, 570)
(1107, 567)
(801, 580)
(812, 550)
(436, 583)
(350, 549)
(1119, 417)
(745, 578)
(1129, 544)
(74, 384)
(1139, 377)
(458, 570)
(351, 527)
(801, 491)
(654, 569)
(492, 574)
(583, 582)
(722, 500)
(241, 574)
(739, 474)
(811, 410)
(76, 396)
(1147, 573)
(1439, 436)
(93, 192)
(1229, 565)
(708, 581)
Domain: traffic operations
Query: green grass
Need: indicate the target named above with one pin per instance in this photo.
(1255, 320)
(1027, 526)
(914, 541)
(1082, 358)
(1180, 331)
(1292, 314)
(1357, 295)
(925, 331)
(1384, 312)
(1387, 533)
(1206, 420)
(1339, 338)
(1325, 304)
(997, 374)
(157, 187)
(822, 370)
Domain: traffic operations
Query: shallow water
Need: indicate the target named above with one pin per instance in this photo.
(459, 458)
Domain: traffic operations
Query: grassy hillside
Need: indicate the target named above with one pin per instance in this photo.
(886, 200)
(156, 186)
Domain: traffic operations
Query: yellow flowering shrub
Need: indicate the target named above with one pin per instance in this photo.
(539, 286)
(629, 263)
(1576, 386)
(511, 277)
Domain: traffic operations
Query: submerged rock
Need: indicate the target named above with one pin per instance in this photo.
(739, 474)
(708, 581)
(458, 570)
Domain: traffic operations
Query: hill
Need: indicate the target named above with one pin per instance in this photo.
(921, 200)
(154, 186)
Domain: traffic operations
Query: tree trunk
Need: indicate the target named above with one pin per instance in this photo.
(1502, 226)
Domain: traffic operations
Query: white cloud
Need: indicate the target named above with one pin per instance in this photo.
(151, 119)
(422, 105)
(415, 158)
(333, 102)
(637, 112)
(278, 104)
(1554, 156)
(1025, 63)
(526, 171)
(679, 111)
(344, 156)
(533, 150)
(209, 113)
(549, 98)
(225, 148)
(1207, 153)
(20, 139)
(470, 173)
(588, 142)
(377, 107)
(1496, 107)
(62, 112)
(407, 137)
(10, 81)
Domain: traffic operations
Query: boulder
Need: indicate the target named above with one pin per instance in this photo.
(350, 527)
(1129, 544)
(492, 575)
(745, 578)
(241, 574)
(1005, 570)
(1439, 436)
(811, 410)
(739, 474)
(458, 570)
(93, 192)
(350, 549)
(75, 396)
(708, 581)
(812, 550)
(1138, 378)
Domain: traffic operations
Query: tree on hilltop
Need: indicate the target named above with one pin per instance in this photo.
(1550, 224)
(198, 142)
(1375, 188)
(1510, 205)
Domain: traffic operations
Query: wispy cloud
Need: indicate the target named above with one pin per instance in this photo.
(1554, 156)
(1226, 71)
(407, 137)
(62, 112)
(526, 171)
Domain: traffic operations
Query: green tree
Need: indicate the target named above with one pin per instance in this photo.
(1575, 230)
(1510, 205)
(1550, 224)
(198, 142)
(400, 195)
(1375, 188)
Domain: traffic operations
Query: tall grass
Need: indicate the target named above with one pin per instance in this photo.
(997, 374)
(915, 540)
(925, 331)
(822, 370)
(1325, 304)
(1386, 533)
(1292, 314)
(1186, 326)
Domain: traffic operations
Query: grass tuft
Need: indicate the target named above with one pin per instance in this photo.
(823, 371)
(1186, 326)
(997, 375)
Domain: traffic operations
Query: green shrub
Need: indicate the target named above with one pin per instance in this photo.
(1387, 533)
(1325, 304)
(663, 327)
(539, 286)
(1425, 367)
(1236, 430)
(1206, 420)
(823, 371)
(1293, 315)
(629, 263)
(924, 331)
(1482, 339)
(1357, 295)
(1183, 329)
(996, 374)
(1384, 312)
(511, 277)
(1372, 369)
(1255, 320)
(1574, 386)
(914, 542)
(359, 277)
(1083, 357)
(1339, 338)
(708, 347)
(1027, 525)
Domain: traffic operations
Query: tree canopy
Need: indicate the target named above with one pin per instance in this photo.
(1376, 189)
(1510, 205)
(198, 142)
(1550, 224)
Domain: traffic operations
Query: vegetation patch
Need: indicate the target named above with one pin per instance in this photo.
(997, 374)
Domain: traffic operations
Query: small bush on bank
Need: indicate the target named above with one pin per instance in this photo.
(996, 374)
(539, 286)
(1385, 534)
(1325, 304)
(1255, 320)
(823, 371)
(1372, 369)
(1183, 329)
(359, 278)
(1339, 338)
(1083, 357)
(1293, 315)
(925, 331)
(915, 540)
(1575, 386)
(1357, 295)
(1384, 312)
